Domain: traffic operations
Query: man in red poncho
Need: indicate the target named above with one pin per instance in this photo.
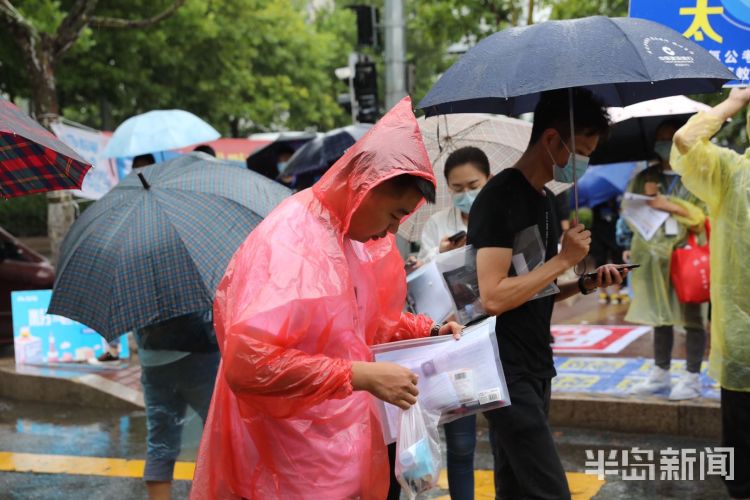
(315, 285)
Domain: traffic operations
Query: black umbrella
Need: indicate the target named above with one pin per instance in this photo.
(323, 151)
(265, 159)
(633, 132)
(622, 60)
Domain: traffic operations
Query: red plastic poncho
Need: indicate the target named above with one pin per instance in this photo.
(299, 302)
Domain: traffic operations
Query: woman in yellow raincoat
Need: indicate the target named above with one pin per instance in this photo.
(654, 300)
(721, 178)
(316, 284)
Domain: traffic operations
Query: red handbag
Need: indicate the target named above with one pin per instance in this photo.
(691, 271)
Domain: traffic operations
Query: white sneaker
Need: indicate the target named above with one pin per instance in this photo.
(688, 387)
(658, 380)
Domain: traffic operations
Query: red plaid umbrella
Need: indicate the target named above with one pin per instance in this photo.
(32, 160)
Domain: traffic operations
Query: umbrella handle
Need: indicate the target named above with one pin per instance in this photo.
(573, 148)
(145, 183)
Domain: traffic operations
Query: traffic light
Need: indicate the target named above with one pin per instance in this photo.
(368, 23)
(366, 92)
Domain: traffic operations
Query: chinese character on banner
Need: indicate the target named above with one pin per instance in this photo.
(722, 27)
(743, 73)
(701, 24)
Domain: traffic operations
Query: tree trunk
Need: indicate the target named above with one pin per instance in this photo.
(530, 18)
(61, 208)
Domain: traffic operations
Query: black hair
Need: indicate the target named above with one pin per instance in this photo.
(468, 154)
(553, 111)
(407, 181)
(284, 149)
(671, 123)
(205, 148)
(143, 160)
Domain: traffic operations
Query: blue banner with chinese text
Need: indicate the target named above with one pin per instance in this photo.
(720, 26)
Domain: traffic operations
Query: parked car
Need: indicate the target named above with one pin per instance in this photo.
(21, 268)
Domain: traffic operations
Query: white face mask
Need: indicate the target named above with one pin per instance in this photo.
(565, 173)
(464, 201)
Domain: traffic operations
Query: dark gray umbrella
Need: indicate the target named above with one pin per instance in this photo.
(323, 151)
(157, 245)
(622, 60)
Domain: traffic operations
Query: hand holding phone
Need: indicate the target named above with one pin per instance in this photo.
(457, 237)
(621, 268)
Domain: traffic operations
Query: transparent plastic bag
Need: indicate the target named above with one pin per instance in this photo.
(418, 458)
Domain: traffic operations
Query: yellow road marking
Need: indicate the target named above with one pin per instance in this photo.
(85, 466)
(582, 486)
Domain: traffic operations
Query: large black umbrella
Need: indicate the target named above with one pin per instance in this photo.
(622, 60)
(633, 132)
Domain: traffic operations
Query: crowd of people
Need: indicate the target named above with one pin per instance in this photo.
(284, 357)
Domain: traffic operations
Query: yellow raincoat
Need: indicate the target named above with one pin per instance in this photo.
(721, 178)
(654, 299)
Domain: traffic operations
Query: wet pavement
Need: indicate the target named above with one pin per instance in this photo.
(32, 428)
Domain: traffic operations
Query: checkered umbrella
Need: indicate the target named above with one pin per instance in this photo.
(32, 160)
(157, 245)
(502, 139)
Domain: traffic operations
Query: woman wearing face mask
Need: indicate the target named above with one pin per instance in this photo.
(467, 170)
(654, 300)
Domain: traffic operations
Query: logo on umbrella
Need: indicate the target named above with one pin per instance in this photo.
(673, 52)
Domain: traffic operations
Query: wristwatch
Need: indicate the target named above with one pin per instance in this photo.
(582, 287)
(435, 330)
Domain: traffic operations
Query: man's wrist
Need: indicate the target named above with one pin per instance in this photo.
(582, 286)
(435, 330)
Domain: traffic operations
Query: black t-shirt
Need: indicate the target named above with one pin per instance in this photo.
(506, 206)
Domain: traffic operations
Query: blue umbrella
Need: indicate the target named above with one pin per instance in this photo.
(604, 182)
(622, 60)
(322, 152)
(156, 246)
(156, 131)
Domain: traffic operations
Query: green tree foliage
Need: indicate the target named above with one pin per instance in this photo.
(244, 65)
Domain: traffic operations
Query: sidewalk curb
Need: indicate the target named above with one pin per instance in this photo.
(85, 389)
(695, 418)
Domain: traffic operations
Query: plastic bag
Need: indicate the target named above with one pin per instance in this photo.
(418, 458)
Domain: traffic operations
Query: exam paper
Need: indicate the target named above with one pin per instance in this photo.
(643, 218)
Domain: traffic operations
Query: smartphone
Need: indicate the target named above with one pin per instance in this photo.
(457, 237)
(621, 267)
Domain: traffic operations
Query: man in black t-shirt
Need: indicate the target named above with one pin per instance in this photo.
(515, 230)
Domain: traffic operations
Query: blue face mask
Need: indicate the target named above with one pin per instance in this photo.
(663, 150)
(281, 166)
(464, 201)
(565, 173)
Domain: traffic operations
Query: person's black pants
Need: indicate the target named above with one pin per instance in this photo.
(526, 461)
(735, 433)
